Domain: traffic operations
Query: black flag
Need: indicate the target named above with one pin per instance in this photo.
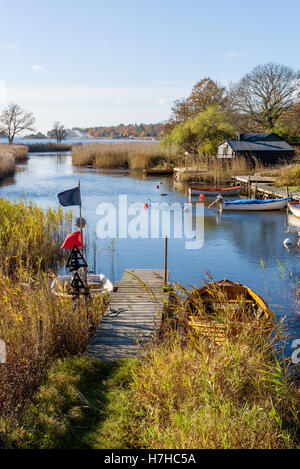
(69, 197)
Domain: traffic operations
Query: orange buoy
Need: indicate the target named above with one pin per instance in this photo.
(146, 206)
(201, 197)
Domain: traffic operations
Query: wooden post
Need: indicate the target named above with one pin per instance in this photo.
(166, 261)
(81, 231)
(249, 186)
(287, 191)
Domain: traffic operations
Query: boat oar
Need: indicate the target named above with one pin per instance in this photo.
(218, 199)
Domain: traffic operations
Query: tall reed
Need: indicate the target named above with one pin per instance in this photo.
(123, 155)
(7, 161)
(30, 237)
(37, 327)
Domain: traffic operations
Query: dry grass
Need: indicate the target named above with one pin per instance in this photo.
(119, 155)
(9, 155)
(235, 167)
(7, 161)
(188, 393)
(288, 175)
(192, 393)
(37, 327)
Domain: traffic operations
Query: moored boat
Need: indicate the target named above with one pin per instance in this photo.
(215, 191)
(294, 207)
(97, 284)
(223, 307)
(251, 205)
(159, 172)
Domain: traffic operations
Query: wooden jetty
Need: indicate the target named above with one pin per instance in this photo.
(262, 187)
(135, 309)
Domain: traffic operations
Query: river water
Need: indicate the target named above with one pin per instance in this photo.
(244, 247)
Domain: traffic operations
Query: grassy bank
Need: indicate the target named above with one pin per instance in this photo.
(119, 155)
(48, 147)
(288, 175)
(187, 393)
(9, 155)
(36, 326)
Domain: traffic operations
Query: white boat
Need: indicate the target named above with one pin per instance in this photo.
(251, 205)
(97, 283)
(294, 207)
(213, 191)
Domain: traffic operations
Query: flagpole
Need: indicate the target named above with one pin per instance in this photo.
(80, 222)
(81, 231)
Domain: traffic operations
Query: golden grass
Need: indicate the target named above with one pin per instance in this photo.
(119, 155)
(188, 393)
(7, 161)
(20, 152)
(9, 155)
(37, 327)
(288, 175)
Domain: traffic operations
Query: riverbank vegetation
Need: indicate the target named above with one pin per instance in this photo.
(187, 393)
(29, 237)
(9, 155)
(119, 155)
(36, 326)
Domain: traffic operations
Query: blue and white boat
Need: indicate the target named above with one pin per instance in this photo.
(251, 205)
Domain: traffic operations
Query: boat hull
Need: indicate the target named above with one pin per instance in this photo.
(214, 191)
(98, 285)
(294, 207)
(260, 206)
(230, 298)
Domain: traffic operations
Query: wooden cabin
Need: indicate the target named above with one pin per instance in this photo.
(266, 147)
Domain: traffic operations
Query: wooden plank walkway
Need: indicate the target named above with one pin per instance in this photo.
(263, 185)
(135, 309)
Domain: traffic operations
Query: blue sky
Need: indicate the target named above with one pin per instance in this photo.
(100, 62)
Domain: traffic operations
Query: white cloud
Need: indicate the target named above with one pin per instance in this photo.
(10, 46)
(37, 68)
(234, 55)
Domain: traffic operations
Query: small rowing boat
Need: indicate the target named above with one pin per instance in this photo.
(294, 207)
(250, 205)
(221, 308)
(214, 191)
(97, 285)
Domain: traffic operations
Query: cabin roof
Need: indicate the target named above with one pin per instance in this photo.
(259, 145)
(258, 136)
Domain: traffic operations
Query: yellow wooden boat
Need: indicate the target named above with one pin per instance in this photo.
(225, 305)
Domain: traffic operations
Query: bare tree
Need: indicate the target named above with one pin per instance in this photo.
(266, 93)
(58, 132)
(15, 120)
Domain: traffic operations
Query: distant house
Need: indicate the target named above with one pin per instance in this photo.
(266, 147)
